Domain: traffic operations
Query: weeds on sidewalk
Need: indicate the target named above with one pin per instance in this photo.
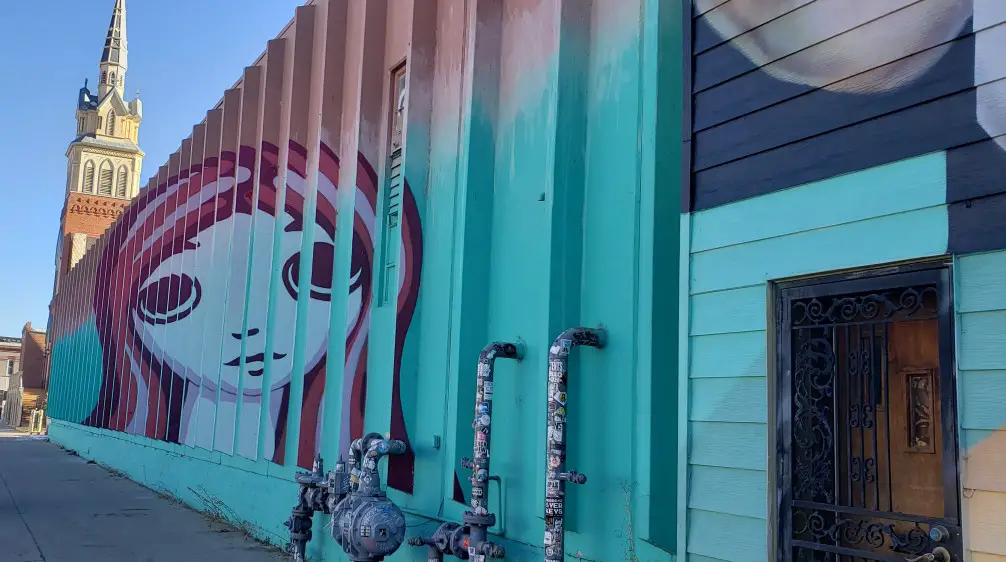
(217, 511)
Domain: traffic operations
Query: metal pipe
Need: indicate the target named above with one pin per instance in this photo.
(556, 476)
(357, 449)
(479, 520)
(483, 420)
(370, 479)
(472, 539)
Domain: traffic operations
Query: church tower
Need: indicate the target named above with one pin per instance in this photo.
(104, 159)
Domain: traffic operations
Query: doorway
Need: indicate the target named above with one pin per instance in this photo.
(866, 432)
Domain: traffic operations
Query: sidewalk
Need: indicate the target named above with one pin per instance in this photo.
(57, 507)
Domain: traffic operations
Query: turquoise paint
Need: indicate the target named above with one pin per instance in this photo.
(706, 536)
(972, 437)
(661, 117)
(240, 490)
(915, 183)
(745, 395)
(981, 285)
(728, 444)
(418, 386)
(728, 490)
(79, 373)
(981, 346)
(684, 365)
(981, 396)
(980, 303)
(306, 268)
(746, 358)
(746, 306)
(836, 247)
(531, 223)
(737, 248)
(265, 433)
(333, 442)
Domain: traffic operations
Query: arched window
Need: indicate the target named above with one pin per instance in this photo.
(111, 79)
(105, 179)
(88, 186)
(120, 182)
(110, 128)
(104, 77)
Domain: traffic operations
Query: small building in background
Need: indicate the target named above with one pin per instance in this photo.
(10, 360)
(23, 380)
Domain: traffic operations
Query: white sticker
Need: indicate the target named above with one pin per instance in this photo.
(487, 390)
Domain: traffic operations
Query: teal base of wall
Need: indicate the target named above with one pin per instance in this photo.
(257, 496)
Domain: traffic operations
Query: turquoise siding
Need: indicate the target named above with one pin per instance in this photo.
(981, 353)
(848, 221)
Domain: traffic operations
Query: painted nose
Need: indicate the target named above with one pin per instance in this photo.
(251, 332)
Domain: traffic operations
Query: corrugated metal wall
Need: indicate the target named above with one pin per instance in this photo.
(390, 187)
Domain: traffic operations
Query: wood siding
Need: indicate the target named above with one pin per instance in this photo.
(735, 250)
(790, 92)
(981, 323)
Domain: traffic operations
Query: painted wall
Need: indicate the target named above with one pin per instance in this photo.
(735, 250)
(823, 131)
(789, 92)
(273, 292)
(981, 363)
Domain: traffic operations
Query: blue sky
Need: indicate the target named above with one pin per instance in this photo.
(182, 55)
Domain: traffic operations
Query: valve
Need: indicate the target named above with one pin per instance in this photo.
(367, 524)
(316, 490)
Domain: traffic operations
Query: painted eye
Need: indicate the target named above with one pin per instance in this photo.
(321, 272)
(169, 299)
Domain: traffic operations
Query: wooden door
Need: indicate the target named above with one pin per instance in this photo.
(868, 465)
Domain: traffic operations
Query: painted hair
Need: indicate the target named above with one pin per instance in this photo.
(141, 392)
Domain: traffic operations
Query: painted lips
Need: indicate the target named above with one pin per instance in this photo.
(256, 358)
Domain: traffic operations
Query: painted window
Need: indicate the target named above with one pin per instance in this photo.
(110, 129)
(88, 186)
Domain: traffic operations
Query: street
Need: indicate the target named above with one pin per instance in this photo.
(58, 507)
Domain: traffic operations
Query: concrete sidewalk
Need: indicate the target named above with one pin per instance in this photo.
(57, 507)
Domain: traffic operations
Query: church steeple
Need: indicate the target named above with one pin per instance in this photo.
(114, 56)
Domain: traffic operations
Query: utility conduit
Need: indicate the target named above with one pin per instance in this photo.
(555, 450)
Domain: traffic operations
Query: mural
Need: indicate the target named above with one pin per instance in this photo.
(159, 379)
(789, 92)
(786, 92)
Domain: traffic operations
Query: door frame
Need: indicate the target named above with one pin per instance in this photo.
(937, 270)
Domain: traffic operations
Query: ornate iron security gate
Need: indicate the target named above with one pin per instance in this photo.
(866, 434)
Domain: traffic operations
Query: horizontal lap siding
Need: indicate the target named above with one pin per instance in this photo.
(735, 250)
(981, 325)
(788, 93)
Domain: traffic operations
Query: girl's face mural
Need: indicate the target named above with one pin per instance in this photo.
(207, 266)
(176, 325)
